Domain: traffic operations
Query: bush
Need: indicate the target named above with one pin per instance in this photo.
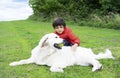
(97, 13)
(109, 21)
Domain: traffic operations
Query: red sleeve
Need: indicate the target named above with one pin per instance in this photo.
(73, 38)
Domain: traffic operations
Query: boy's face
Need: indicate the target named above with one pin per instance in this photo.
(59, 29)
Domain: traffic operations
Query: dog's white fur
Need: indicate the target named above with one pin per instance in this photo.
(46, 54)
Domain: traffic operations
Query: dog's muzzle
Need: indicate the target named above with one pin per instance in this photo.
(58, 46)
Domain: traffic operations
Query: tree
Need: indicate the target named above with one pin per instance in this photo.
(75, 9)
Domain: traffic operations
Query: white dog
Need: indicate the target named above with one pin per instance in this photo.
(58, 58)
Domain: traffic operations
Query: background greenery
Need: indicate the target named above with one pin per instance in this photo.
(94, 13)
(18, 38)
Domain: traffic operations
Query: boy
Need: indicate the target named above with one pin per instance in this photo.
(65, 33)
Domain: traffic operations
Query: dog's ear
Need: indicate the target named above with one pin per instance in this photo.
(43, 40)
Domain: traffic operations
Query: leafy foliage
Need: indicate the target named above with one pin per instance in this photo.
(74, 7)
(73, 10)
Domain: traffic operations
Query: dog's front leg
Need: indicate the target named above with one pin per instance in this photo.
(21, 62)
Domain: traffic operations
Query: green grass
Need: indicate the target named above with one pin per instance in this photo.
(18, 38)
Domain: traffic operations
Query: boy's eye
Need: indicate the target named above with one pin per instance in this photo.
(61, 27)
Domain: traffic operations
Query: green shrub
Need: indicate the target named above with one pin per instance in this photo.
(95, 13)
(112, 22)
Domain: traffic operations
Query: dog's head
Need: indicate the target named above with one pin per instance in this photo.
(51, 40)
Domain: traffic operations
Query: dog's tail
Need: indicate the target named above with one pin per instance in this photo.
(107, 54)
(21, 62)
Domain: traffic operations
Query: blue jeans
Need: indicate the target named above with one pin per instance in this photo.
(67, 43)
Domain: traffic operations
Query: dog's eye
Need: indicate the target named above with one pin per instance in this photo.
(56, 37)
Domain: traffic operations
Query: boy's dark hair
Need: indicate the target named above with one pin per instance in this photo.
(58, 21)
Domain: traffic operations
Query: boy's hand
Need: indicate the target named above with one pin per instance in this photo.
(74, 47)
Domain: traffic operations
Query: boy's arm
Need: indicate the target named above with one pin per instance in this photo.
(73, 38)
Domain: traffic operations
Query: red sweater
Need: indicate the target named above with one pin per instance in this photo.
(68, 35)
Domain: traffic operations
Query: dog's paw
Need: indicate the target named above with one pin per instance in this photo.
(13, 64)
(97, 69)
(52, 69)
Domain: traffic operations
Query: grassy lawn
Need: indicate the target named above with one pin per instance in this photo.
(18, 38)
